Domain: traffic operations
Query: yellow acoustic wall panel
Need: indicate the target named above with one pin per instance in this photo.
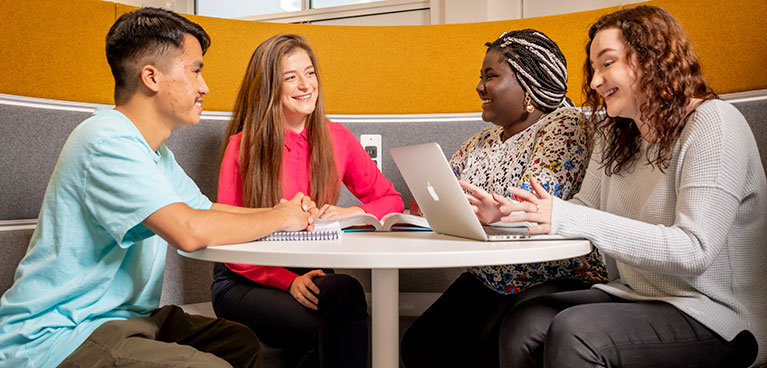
(232, 43)
(379, 69)
(729, 38)
(55, 49)
(386, 70)
(364, 70)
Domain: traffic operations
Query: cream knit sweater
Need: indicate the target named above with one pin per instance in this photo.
(694, 236)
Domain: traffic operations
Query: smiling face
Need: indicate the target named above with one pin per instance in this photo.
(615, 74)
(502, 96)
(298, 89)
(182, 86)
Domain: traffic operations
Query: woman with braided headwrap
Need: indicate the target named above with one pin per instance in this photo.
(536, 133)
(675, 198)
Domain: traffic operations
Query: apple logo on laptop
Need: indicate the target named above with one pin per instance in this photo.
(431, 191)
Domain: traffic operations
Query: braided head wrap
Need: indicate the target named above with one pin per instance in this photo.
(539, 65)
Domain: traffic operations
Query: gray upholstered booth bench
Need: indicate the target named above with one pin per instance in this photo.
(34, 131)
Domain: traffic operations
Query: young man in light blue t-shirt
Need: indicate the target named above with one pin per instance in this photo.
(87, 291)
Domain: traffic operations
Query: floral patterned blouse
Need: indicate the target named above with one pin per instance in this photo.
(555, 150)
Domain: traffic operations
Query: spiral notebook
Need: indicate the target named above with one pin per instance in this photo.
(328, 231)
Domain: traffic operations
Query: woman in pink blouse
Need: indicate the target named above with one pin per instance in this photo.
(280, 143)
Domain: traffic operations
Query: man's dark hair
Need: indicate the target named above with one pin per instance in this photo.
(146, 32)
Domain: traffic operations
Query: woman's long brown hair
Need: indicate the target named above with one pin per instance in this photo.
(258, 115)
(670, 78)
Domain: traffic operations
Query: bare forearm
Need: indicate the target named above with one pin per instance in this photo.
(189, 229)
(222, 227)
(236, 209)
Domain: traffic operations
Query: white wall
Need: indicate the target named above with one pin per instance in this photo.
(455, 11)
(469, 11)
(377, 13)
(405, 18)
(540, 8)
(466, 11)
(416, 12)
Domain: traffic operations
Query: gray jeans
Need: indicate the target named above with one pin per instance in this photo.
(590, 328)
(168, 338)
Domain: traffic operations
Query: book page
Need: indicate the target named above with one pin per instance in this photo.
(389, 220)
(392, 219)
(344, 222)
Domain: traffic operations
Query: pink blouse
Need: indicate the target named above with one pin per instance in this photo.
(355, 168)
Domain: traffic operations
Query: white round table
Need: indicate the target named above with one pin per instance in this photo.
(385, 253)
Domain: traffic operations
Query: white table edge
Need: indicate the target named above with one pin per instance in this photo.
(385, 270)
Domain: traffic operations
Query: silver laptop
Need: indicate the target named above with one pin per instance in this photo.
(442, 200)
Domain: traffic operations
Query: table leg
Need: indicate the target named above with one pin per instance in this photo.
(385, 318)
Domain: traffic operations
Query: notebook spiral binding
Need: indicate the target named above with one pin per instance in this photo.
(333, 233)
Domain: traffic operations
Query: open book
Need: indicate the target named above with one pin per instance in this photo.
(398, 221)
(331, 229)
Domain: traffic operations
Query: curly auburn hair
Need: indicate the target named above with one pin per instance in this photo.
(670, 77)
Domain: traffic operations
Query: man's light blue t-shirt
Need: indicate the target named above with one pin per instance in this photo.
(90, 260)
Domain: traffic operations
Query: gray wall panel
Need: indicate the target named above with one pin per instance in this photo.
(755, 112)
(32, 140)
(450, 136)
(33, 137)
(13, 245)
(197, 149)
